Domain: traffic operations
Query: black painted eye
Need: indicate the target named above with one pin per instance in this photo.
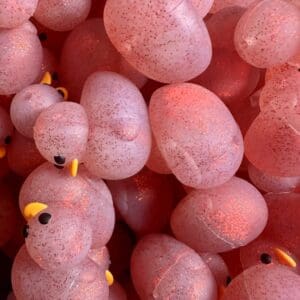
(228, 280)
(55, 76)
(25, 231)
(7, 140)
(44, 218)
(43, 36)
(60, 160)
(266, 258)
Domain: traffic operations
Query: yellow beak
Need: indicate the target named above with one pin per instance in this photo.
(109, 277)
(74, 167)
(32, 209)
(47, 79)
(284, 258)
(2, 152)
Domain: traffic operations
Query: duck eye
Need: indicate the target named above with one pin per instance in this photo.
(228, 280)
(55, 76)
(7, 140)
(60, 160)
(25, 231)
(266, 258)
(44, 218)
(43, 36)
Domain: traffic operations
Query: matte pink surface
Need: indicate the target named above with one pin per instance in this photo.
(264, 282)
(269, 183)
(21, 57)
(281, 72)
(197, 135)
(282, 93)
(85, 281)
(29, 103)
(156, 162)
(280, 231)
(167, 42)
(62, 130)
(202, 6)
(62, 243)
(221, 4)
(217, 266)
(268, 33)
(272, 144)
(119, 139)
(14, 13)
(101, 257)
(62, 15)
(250, 255)
(170, 269)
(85, 194)
(221, 218)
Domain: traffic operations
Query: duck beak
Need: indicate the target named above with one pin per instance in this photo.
(109, 277)
(74, 167)
(2, 152)
(32, 209)
(284, 258)
(47, 79)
